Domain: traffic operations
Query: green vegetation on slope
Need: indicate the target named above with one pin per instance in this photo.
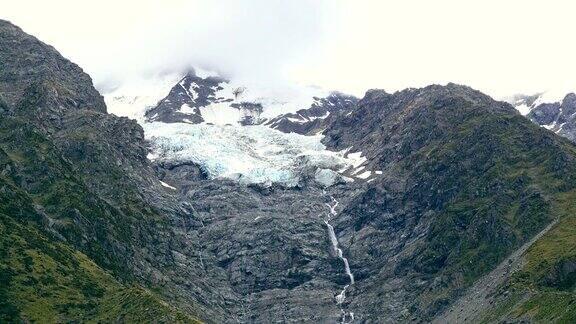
(77, 197)
(493, 180)
(32, 162)
(43, 280)
(544, 290)
(501, 198)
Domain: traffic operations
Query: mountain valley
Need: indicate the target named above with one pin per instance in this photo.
(224, 202)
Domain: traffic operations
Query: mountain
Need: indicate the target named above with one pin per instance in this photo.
(466, 180)
(421, 205)
(316, 118)
(188, 100)
(445, 167)
(557, 116)
(78, 196)
(215, 100)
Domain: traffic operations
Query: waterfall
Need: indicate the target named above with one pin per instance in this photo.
(338, 251)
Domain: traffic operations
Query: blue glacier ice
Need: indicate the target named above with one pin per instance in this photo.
(248, 154)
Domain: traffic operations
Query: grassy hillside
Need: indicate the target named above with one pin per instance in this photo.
(44, 280)
(498, 180)
(544, 290)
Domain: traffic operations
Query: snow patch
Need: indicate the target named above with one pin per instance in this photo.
(221, 114)
(185, 109)
(523, 109)
(275, 99)
(550, 126)
(192, 91)
(297, 120)
(358, 170)
(319, 117)
(167, 185)
(364, 175)
(357, 159)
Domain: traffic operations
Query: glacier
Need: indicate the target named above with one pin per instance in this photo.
(248, 154)
(222, 147)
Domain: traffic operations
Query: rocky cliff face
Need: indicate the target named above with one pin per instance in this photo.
(443, 184)
(559, 117)
(183, 102)
(30, 66)
(208, 99)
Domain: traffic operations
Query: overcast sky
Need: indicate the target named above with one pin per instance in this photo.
(500, 47)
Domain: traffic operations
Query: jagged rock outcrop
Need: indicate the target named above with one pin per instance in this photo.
(559, 117)
(554, 115)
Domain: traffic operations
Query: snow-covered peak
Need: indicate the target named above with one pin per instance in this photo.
(553, 110)
(523, 103)
(209, 98)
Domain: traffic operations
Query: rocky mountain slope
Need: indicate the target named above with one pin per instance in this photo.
(84, 183)
(104, 219)
(465, 181)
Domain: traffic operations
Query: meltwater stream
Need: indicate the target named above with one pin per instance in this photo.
(347, 317)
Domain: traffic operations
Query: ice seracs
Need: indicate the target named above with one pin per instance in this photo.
(248, 154)
(327, 177)
(219, 125)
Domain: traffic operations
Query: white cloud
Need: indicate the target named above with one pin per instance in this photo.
(500, 47)
(116, 39)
